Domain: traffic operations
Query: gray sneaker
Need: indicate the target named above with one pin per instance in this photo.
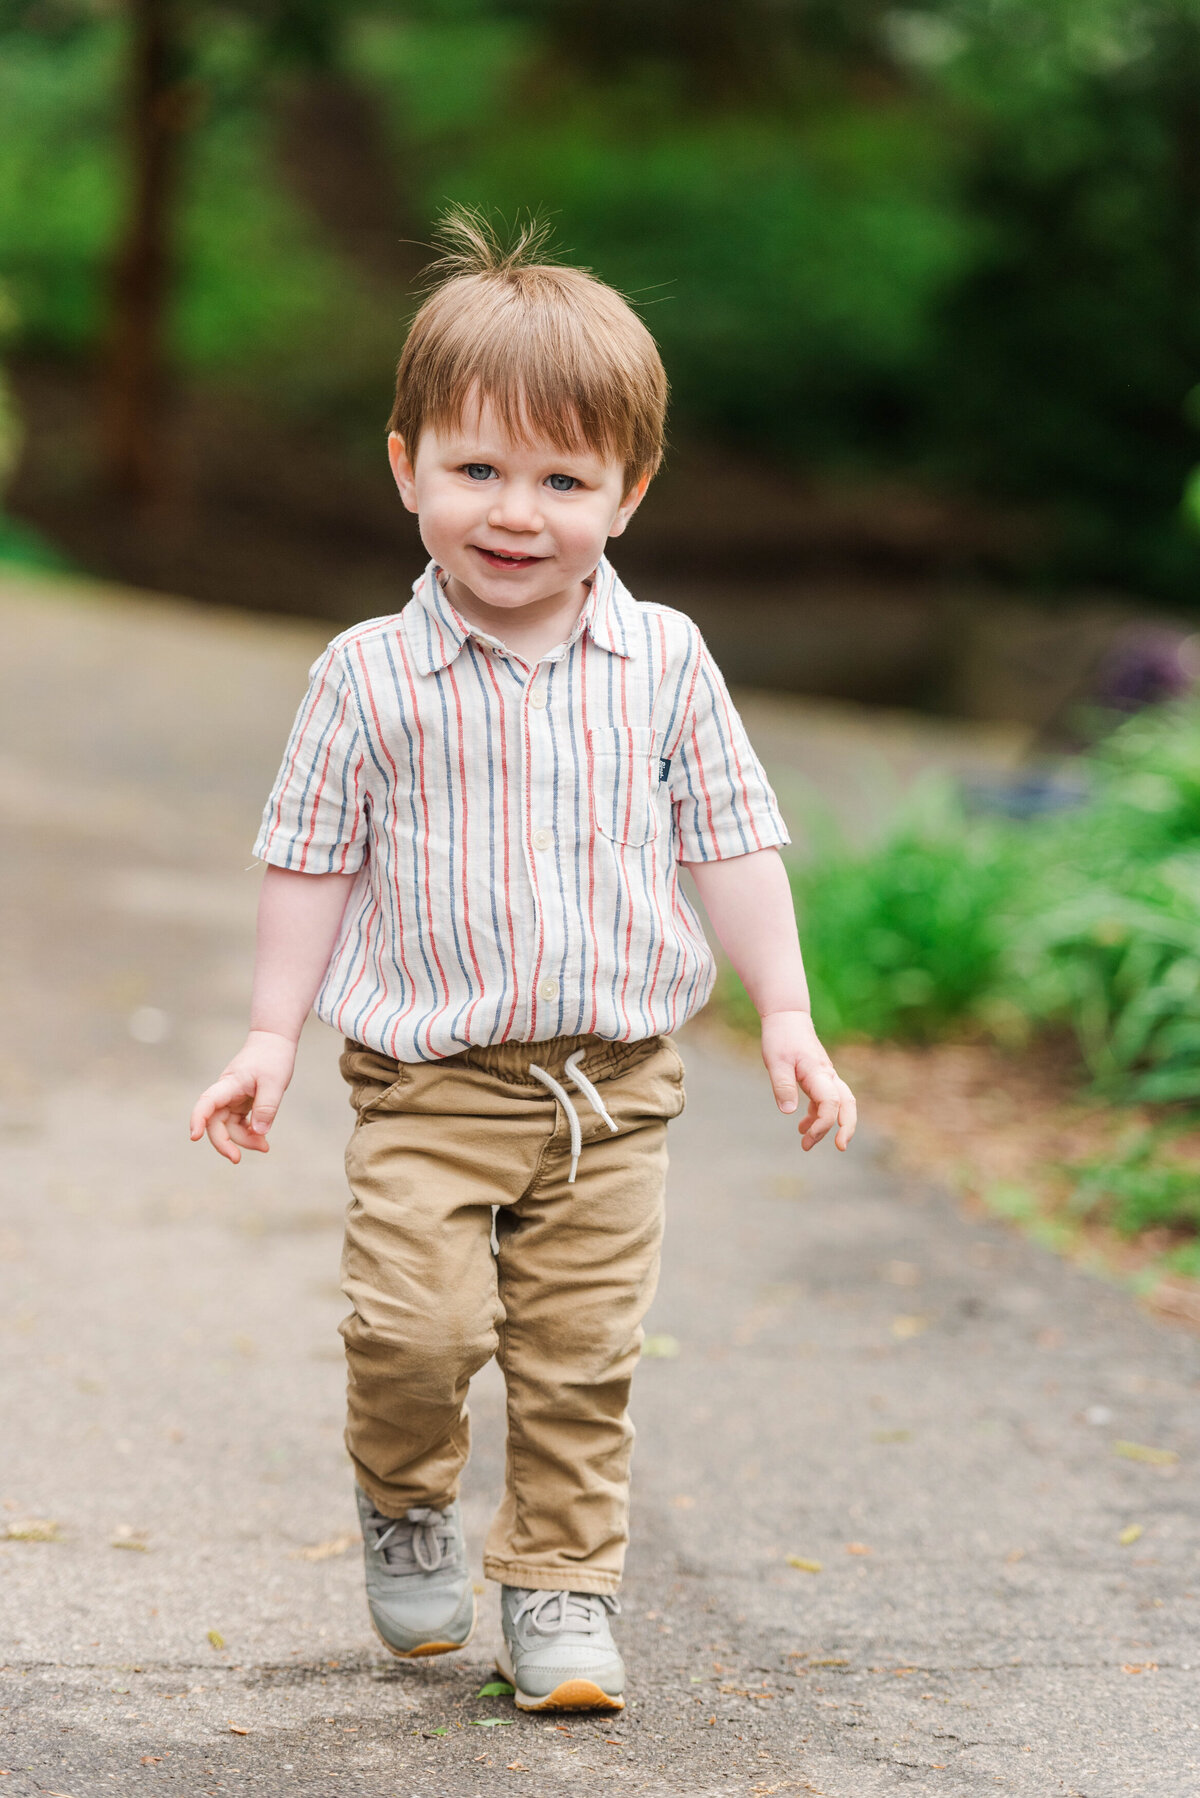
(419, 1591)
(558, 1651)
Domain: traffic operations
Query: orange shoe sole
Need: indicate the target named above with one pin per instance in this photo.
(571, 1695)
(426, 1648)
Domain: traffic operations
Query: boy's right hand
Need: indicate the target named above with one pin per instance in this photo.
(238, 1110)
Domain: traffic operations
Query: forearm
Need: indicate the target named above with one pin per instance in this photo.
(748, 900)
(298, 920)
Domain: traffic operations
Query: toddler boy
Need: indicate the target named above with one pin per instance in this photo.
(473, 851)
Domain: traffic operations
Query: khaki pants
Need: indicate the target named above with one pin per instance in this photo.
(435, 1147)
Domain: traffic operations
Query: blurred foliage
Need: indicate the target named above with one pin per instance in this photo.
(960, 240)
(1115, 944)
(1144, 1188)
(18, 544)
(1087, 920)
(909, 940)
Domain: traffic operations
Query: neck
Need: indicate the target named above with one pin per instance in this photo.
(532, 630)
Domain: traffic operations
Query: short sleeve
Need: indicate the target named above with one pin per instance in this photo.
(723, 800)
(315, 821)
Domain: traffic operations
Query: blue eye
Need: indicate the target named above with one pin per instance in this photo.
(478, 471)
(561, 483)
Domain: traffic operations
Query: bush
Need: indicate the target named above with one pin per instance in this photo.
(1113, 947)
(1087, 919)
(909, 940)
(1144, 1189)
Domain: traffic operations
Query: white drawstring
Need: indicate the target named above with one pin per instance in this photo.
(580, 1080)
(577, 1077)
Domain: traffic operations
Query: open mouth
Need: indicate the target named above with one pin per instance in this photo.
(496, 558)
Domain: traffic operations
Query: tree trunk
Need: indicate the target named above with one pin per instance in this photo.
(134, 465)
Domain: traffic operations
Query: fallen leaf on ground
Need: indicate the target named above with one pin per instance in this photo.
(1130, 1534)
(904, 1327)
(1153, 1457)
(833, 1661)
(325, 1551)
(660, 1348)
(435, 1732)
(516, 1767)
(803, 1565)
(151, 1760)
(496, 1688)
(33, 1529)
(238, 1729)
(1140, 1667)
(858, 1548)
(492, 1722)
(215, 1639)
(142, 1548)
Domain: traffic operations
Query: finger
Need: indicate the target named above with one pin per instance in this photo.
(246, 1136)
(822, 1124)
(202, 1110)
(847, 1120)
(782, 1075)
(218, 1136)
(267, 1099)
(221, 1092)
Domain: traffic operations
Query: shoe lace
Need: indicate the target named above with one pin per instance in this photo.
(418, 1542)
(582, 1613)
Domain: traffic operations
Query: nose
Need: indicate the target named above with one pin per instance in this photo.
(515, 508)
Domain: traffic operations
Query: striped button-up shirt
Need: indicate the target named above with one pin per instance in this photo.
(516, 831)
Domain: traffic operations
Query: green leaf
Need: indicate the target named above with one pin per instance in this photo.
(496, 1688)
(492, 1722)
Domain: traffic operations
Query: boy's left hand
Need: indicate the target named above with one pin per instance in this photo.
(796, 1062)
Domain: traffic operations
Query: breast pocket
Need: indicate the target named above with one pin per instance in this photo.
(625, 770)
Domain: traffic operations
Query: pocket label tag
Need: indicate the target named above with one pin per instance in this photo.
(664, 768)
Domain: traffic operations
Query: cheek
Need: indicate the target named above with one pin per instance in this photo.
(447, 510)
(585, 528)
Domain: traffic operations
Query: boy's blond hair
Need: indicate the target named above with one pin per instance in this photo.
(558, 354)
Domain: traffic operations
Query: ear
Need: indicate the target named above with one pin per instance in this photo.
(629, 506)
(402, 470)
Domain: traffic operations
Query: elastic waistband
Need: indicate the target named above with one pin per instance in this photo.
(602, 1059)
(511, 1062)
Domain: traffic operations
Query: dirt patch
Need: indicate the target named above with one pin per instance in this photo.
(1009, 1134)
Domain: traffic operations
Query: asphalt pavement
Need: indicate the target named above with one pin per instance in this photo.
(915, 1503)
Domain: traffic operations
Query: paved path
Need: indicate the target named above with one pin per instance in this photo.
(924, 1405)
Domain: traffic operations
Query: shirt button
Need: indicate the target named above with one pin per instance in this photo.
(537, 699)
(548, 990)
(542, 838)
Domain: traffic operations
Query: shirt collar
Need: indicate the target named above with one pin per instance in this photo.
(436, 633)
